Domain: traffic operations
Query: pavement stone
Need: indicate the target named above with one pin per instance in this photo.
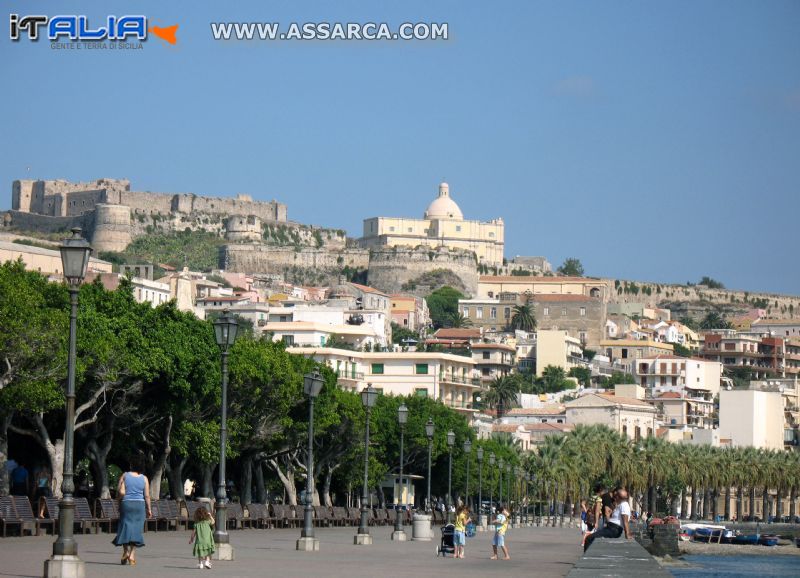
(534, 551)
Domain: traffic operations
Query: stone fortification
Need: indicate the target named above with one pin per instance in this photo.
(400, 269)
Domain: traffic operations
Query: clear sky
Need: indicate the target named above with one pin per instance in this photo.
(653, 140)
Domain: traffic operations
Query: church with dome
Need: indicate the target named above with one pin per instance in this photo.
(443, 225)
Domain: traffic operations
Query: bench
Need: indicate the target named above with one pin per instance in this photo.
(25, 513)
(235, 516)
(82, 515)
(322, 514)
(284, 515)
(354, 515)
(191, 508)
(8, 515)
(107, 512)
(170, 512)
(259, 517)
(339, 517)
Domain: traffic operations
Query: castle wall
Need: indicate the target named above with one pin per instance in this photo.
(269, 259)
(23, 221)
(391, 268)
(112, 228)
(142, 202)
(81, 202)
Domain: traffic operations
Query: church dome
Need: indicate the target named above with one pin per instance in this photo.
(443, 207)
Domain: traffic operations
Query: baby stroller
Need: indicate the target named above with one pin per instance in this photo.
(470, 530)
(448, 545)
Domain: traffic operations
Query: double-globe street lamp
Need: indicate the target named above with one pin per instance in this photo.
(500, 466)
(225, 330)
(429, 429)
(369, 397)
(75, 253)
(312, 386)
(508, 483)
(468, 454)
(451, 441)
(399, 534)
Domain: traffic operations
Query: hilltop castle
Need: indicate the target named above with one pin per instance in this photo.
(112, 214)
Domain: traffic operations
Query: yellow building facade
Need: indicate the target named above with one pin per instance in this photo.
(443, 225)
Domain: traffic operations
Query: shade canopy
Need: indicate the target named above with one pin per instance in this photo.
(75, 253)
(369, 396)
(312, 383)
(402, 414)
(451, 438)
(479, 453)
(467, 446)
(225, 329)
(429, 428)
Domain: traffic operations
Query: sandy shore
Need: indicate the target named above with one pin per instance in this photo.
(784, 548)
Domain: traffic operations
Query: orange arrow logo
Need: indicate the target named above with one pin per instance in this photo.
(166, 33)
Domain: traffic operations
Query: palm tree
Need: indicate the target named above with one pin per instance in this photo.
(502, 394)
(523, 318)
(459, 321)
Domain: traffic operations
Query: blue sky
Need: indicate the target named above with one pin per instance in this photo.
(653, 140)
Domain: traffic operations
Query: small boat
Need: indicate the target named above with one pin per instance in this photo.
(768, 540)
(745, 539)
(797, 542)
(718, 535)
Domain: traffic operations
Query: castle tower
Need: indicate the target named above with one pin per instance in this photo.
(243, 229)
(112, 227)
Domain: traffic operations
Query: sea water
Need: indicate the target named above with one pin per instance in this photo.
(707, 566)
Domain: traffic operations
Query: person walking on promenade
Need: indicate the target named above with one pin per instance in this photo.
(133, 492)
(460, 534)
(500, 526)
(617, 523)
(203, 537)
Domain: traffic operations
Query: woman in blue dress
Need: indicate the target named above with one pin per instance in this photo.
(133, 492)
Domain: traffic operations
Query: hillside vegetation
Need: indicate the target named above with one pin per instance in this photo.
(197, 250)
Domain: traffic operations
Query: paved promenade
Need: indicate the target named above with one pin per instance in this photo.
(534, 551)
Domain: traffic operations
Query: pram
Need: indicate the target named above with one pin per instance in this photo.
(448, 545)
(470, 530)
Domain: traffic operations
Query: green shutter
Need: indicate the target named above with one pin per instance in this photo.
(422, 369)
(377, 368)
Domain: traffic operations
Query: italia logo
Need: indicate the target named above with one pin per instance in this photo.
(78, 28)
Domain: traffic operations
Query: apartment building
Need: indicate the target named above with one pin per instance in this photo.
(557, 348)
(493, 360)
(624, 352)
(451, 379)
(764, 355)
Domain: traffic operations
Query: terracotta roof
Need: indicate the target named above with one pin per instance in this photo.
(551, 410)
(560, 297)
(563, 427)
(776, 322)
(367, 289)
(505, 427)
(457, 333)
(669, 395)
(661, 431)
(623, 400)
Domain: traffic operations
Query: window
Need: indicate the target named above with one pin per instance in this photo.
(486, 355)
(493, 313)
(507, 312)
(491, 234)
(288, 339)
(377, 368)
(486, 372)
(546, 311)
(479, 312)
(410, 230)
(422, 369)
(458, 228)
(563, 311)
(465, 313)
(391, 229)
(583, 311)
(421, 392)
(491, 294)
(624, 353)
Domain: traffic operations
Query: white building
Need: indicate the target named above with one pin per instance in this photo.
(630, 417)
(752, 417)
(674, 373)
(153, 292)
(449, 378)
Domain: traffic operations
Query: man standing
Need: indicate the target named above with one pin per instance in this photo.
(20, 484)
(617, 523)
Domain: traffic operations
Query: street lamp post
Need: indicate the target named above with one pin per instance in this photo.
(225, 329)
(481, 516)
(451, 441)
(399, 534)
(429, 429)
(312, 385)
(508, 482)
(467, 452)
(369, 397)
(491, 485)
(500, 466)
(75, 253)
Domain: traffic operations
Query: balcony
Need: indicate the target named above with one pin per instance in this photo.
(351, 375)
(460, 379)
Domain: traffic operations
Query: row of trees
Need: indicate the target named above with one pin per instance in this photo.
(148, 382)
(664, 477)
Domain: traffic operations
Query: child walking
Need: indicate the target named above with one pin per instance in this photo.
(203, 537)
(499, 541)
(460, 535)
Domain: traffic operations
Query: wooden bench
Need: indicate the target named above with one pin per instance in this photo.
(339, 517)
(235, 516)
(191, 508)
(8, 515)
(354, 515)
(259, 516)
(284, 516)
(170, 512)
(322, 515)
(107, 512)
(25, 513)
(82, 516)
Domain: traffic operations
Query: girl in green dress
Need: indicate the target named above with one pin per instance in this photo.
(203, 537)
